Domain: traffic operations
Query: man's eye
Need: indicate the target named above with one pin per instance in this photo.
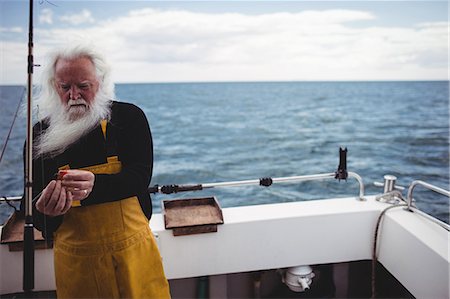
(83, 86)
(65, 87)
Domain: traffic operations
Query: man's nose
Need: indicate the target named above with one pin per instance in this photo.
(74, 92)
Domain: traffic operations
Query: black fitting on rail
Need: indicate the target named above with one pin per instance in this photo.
(153, 189)
(169, 189)
(341, 173)
(266, 182)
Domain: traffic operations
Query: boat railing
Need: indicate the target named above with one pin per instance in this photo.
(10, 198)
(431, 187)
(427, 186)
(340, 174)
(168, 189)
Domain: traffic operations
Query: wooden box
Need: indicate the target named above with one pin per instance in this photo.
(12, 234)
(192, 215)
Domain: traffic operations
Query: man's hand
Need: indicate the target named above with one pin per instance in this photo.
(55, 200)
(78, 182)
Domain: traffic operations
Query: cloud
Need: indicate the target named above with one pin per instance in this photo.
(173, 36)
(84, 17)
(13, 62)
(11, 30)
(151, 45)
(46, 16)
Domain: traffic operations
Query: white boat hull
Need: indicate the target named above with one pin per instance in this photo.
(414, 249)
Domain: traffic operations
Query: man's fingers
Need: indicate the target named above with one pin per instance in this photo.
(61, 202)
(79, 194)
(45, 196)
(69, 198)
(78, 175)
(48, 190)
(40, 205)
(80, 182)
(53, 200)
(77, 185)
(57, 197)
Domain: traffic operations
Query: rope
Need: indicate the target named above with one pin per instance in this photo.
(12, 125)
(374, 249)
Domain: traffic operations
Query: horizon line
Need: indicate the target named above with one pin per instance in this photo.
(262, 81)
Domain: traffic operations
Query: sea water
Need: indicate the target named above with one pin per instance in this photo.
(216, 132)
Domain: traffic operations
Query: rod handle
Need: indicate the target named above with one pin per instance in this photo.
(28, 254)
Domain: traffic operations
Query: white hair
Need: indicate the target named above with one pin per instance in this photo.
(64, 131)
(46, 93)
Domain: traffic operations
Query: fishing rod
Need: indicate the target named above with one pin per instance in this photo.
(28, 233)
(340, 174)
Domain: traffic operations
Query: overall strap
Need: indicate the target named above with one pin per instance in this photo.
(104, 123)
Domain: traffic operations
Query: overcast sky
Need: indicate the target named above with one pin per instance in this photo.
(149, 41)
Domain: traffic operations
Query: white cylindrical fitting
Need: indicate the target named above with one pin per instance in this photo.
(299, 278)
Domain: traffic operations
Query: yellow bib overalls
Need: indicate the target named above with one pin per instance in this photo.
(107, 250)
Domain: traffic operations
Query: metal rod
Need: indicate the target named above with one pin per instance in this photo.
(28, 252)
(10, 198)
(230, 184)
(426, 185)
(361, 184)
(312, 177)
(176, 188)
(275, 180)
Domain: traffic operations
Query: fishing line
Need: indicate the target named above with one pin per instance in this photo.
(4, 198)
(12, 125)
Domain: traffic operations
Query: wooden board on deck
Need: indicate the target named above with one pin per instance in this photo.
(12, 234)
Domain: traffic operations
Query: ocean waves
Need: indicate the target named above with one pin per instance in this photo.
(215, 132)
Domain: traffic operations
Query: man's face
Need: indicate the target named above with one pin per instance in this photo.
(76, 84)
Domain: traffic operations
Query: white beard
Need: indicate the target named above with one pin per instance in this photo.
(68, 124)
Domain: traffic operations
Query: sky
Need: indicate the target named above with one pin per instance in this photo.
(210, 41)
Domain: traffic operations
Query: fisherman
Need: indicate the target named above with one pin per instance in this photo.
(97, 209)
